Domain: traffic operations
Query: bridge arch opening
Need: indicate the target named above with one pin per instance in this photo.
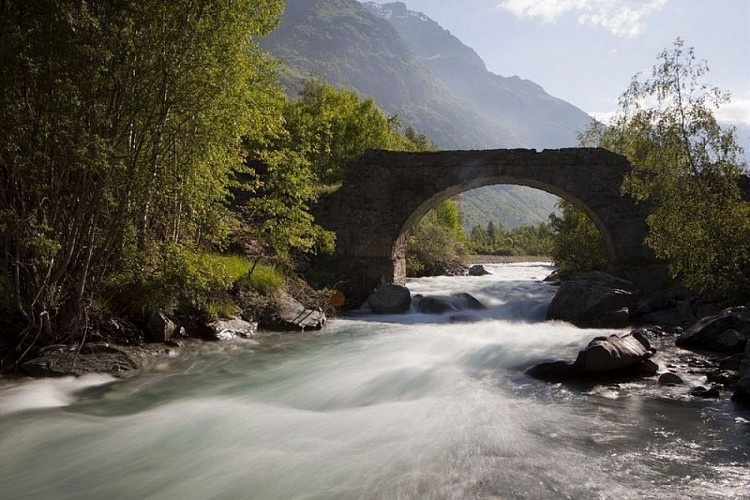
(400, 245)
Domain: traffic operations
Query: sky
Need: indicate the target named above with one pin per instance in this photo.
(587, 51)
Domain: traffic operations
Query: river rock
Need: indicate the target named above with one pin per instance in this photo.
(727, 378)
(612, 353)
(727, 331)
(232, 328)
(742, 388)
(670, 378)
(439, 304)
(732, 362)
(602, 358)
(478, 270)
(554, 371)
(702, 392)
(62, 361)
(290, 315)
(594, 300)
(390, 299)
(159, 328)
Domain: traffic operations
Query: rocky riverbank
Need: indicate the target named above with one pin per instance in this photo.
(122, 348)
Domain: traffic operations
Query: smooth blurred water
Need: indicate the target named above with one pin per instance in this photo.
(409, 406)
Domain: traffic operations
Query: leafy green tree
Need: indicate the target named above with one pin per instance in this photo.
(436, 242)
(121, 125)
(331, 126)
(687, 167)
(577, 246)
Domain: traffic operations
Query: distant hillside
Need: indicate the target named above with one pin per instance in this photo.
(436, 84)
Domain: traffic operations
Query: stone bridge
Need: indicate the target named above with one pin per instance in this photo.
(384, 194)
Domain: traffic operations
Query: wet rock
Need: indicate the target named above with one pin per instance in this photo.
(594, 300)
(159, 328)
(679, 315)
(290, 315)
(702, 392)
(648, 367)
(640, 336)
(727, 378)
(554, 371)
(439, 304)
(553, 278)
(670, 378)
(62, 361)
(731, 362)
(232, 328)
(612, 353)
(390, 299)
(603, 357)
(727, 331)
(478, 270)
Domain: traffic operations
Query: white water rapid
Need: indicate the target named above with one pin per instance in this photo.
(375, 407)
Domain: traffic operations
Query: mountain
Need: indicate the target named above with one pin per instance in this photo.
(415, 68)
(524, 114)
(346, 44)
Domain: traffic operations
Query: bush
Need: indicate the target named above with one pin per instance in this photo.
(171, 278)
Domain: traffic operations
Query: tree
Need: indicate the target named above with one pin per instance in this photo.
(331, 126)
(121, 126)
(577, 245)
(687, 166)
(436, 242)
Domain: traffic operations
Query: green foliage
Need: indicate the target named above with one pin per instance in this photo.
(436, 242)
(172, 277)
(496, 240)
(331, 126)
(121, 126)
(577, 245)
(264, 280)
(688, 168)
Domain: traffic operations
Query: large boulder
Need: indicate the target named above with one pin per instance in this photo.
(602, 358)
(231, 329)
(478, 270)
(390, 299)
(612, 353)
(439, 304)
(742, 388)
(62, 361)
(594, 300)
(727, 331)
(290, 316)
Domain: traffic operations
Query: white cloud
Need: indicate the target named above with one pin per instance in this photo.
(737, 112)
(620, 17)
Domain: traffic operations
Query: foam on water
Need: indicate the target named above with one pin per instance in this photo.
(375, 407)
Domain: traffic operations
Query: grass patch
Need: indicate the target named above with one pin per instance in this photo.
(264, 280)
(234, 267)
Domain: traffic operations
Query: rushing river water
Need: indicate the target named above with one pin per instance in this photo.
(410, 406)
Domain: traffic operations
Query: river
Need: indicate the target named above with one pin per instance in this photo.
(389, 407)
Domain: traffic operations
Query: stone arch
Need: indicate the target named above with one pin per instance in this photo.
(384, 193)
